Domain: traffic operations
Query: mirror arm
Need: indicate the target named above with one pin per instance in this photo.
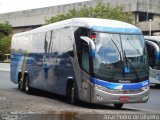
(91, 45)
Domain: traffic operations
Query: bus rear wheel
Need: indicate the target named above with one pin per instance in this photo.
(158, 85)
(28, 89)
(118, 105)
(21, 84)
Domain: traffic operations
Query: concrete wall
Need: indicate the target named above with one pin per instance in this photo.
(156, 18)
(38, 16)
(23, 29)
(155, 24)
(144, 26)
(151, 6)
(27, 19)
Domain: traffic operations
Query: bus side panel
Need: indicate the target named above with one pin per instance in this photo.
(50, 71)
(40, 74)
(63, 69)
(34, 68)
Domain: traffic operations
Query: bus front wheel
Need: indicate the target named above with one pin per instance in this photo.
(118, 105)
(71, 93)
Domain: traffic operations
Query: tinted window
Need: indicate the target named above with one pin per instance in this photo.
(62, 40)
(37, 42)
(66, 42)
(47, 42)
(20, 43)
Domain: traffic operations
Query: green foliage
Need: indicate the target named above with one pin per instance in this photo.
(5, 43)
(98, 11)
(5, 28)
(5, 39)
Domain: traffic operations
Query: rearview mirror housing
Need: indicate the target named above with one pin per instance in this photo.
(92, 50)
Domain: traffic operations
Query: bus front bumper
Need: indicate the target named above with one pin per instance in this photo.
(99, 96)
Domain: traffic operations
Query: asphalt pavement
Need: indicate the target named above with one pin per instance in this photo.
(14, 104)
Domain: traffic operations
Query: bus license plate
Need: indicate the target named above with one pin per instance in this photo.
(124, 98)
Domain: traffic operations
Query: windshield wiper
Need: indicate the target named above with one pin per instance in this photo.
(134, 47)
(127, 61)
(136, 50)
(119, 53)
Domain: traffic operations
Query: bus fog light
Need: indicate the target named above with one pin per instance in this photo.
(145, 97)
(99, 97)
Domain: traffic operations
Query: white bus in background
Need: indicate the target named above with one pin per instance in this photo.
(153, 48)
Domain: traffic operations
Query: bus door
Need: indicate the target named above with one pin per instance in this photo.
(87, 45)
(153, 60)
(85, 73)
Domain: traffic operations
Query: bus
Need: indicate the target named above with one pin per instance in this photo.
(93, 60)
(153, 48)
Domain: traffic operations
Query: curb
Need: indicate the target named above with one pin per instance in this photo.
(4, 67)
(5, 70)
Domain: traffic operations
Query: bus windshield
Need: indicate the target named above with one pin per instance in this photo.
(119, 54)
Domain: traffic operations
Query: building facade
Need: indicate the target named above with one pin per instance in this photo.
(145, 14)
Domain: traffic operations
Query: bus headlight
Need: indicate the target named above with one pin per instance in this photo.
(113, 91)
(101, 88)
(145, 88)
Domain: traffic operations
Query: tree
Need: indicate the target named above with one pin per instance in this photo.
(105, 11)
(5, 29)
(5, 39)
(5, 43)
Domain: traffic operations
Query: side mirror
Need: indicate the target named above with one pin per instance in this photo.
(92, 48)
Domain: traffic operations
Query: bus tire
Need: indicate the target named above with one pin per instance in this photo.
(21, 85)
(71, 93)
(27, 87)
(158, 85)
(118, 105)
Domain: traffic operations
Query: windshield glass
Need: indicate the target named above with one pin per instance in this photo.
(119, 54)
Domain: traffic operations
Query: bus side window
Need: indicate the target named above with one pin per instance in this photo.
(151, 57)
(77, 33)
(66, 41)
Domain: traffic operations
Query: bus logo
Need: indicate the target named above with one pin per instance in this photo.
(50, 61)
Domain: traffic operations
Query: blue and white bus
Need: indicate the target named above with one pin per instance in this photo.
(89, 59)
(153, 49)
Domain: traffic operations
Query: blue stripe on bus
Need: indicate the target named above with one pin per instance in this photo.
(117, 30)
(120, 86)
